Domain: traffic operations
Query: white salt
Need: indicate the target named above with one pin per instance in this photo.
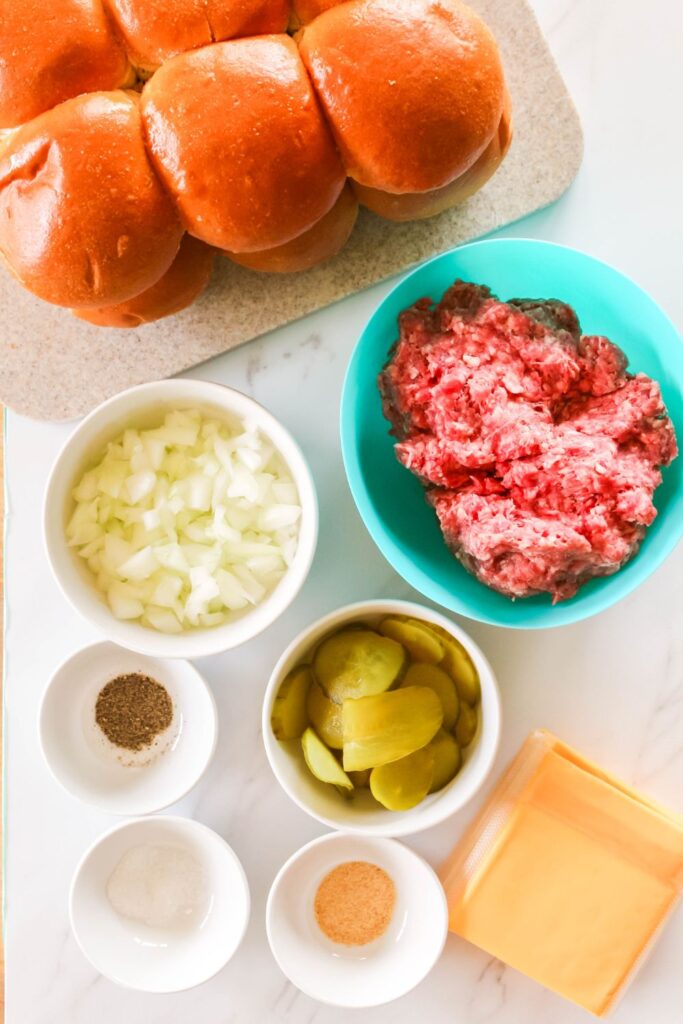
(161, 886)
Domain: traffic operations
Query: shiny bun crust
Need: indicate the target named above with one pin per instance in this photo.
(84, 221)
(325, 239)
(237, 136)
(239, 141)
(51, 51)
(156, 30)
(419, 205)
(305, 11)
(183, 282)
(413, 89)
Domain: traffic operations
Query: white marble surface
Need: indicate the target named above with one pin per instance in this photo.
(611, 686)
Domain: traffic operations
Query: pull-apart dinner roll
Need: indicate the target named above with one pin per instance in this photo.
(304, 11)
(414, 90)
(51, 50)
(418, 205)
(325, 239)
(237, 135)
(252, 141)
(155, 30)
(183, 282)
(84, 221)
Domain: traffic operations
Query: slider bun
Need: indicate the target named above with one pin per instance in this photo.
(304, 11)
(51, 51)
(419, 205)
(184, 280)
(239, 140)
(321, 242)
(414, 90)
(84, 221)
(242, 139)
(155, 30)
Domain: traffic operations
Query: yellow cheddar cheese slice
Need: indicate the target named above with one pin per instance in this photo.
(567, 875)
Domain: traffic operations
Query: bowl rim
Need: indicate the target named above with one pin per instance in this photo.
(411, 823)
(190, 824)
(199, 681)
(566, 614)
(208, 641)
(374, 840)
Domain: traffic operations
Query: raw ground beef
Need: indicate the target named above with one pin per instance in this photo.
(539, 452)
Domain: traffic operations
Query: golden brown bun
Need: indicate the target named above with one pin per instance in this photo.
(419, 205)
(155, 30)
(251, 144)
(413, 89)
(304, 11)
(51, 50)
(83, 219)
(321, 242)
(185, 279)
(237, 136)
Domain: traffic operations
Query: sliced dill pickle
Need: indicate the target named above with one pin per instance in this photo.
(322, 763)
(404, 783)
(289, 717)
(388, 726)
(447, 759)
(460, 667)
(357, 663)
(466, 726)
(325, 716)
(420, 642)
(457, 662)
(361, 780)
(421, 673)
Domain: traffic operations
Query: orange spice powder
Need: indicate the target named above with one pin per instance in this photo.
(354, 903)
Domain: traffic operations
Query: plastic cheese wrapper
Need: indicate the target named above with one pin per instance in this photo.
(567, 874)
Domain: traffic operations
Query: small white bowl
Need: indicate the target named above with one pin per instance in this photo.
(142, 407)
(362, 815)
(95, 771)
(158, 959)
(356, 976)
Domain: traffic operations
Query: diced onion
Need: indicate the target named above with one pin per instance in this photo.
(188, 524)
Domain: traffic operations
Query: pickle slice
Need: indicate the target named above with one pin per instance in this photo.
(388, 726)
(325, 716)
(357, 663)
(420, 642)
(447, 759)
(421, 673)
(289, 716)
(405, 783)
(322, 763)
(457, 662)
(459, 666)
(466, 726)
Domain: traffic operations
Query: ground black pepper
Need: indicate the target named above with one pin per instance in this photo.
(132, 710)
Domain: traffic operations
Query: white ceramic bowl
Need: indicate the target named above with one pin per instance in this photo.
(363, 815)
(142, 407)
(95, 771)
(357, 976)
(158, 959)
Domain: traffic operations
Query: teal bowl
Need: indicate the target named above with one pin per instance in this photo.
(391, 500)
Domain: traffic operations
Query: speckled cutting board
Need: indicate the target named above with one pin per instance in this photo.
(55, 367)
